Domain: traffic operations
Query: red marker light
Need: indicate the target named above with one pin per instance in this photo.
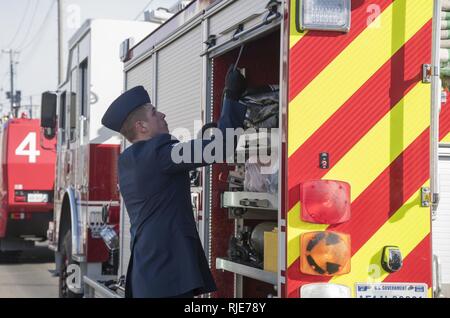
(20, 198)
(325, 201)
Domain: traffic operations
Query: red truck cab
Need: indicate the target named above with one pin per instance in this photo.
(26, 183)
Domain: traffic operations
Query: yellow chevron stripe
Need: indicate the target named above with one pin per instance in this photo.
(295, 228)
(385, 141)
(295, 36)
(405, 229)
(446, 139)
(371, 155)
(353, 67)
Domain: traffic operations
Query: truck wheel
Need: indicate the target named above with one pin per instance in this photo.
(66, 252)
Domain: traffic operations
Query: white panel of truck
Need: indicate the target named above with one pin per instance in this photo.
(179, 82)
(441, 224)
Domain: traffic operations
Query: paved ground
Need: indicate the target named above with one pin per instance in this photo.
(28, 276)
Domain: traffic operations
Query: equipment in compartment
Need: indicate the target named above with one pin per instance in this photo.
(262, 107)
(234, 178)
(250, 200)
(247, 246)
(271, 251)
(232, 207)
(261, 177)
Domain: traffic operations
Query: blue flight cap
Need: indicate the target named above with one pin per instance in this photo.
(119, 110)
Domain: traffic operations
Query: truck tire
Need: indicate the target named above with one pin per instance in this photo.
(66, 252)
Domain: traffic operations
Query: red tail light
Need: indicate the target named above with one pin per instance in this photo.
(20, 198)
(18, 216)
(325, 201)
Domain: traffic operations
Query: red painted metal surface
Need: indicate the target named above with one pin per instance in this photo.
(103, 174)
(28, 165)
(96, 250)
(383, 94)
(103, 179)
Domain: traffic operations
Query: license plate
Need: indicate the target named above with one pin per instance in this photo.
(391, 290)
(37, 197)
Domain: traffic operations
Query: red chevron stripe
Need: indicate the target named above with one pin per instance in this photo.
(388, 192)
(416, 266)
(360, 113)
(380, 200)
(297, 280)
(369, 212)
(416, 269)
(444, 120)
(307, 61)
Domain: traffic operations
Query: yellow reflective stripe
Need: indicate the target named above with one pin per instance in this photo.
(446, 139)
(295, 36)
(370, 156)
(405, 229)
(295, 228)
(353, 67)
(385, 141)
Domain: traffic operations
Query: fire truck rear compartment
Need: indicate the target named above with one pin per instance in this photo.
(260, 60)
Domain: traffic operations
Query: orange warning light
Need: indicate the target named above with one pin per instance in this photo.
(325, 253)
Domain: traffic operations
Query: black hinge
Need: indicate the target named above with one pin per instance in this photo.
(212, 40)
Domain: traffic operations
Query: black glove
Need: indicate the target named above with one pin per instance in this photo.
(235, 84)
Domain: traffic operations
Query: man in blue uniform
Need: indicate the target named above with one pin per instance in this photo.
(167, 258)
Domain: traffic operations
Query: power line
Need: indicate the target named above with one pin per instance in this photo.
(20, 25)
(38, 34)
(145, 8)
(27, 33)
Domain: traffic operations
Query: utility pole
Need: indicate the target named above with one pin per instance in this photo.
(12, 92)
(31, 107)
(60, 41)
(11, 76)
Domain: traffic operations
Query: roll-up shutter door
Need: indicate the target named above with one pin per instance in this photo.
(141, 74)
(441, 225)
(179, 81)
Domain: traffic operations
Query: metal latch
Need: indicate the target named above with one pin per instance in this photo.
(272, 6)
(256, 203)
(426, 73)
(435, 202)
(96, 223)
(212, 40)
(425, 197)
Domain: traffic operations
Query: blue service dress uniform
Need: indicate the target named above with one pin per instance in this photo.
(167, 258)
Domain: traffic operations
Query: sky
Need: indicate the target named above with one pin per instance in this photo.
(30, 27)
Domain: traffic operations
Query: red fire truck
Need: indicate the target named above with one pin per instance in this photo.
(360, 125)
(26, 183)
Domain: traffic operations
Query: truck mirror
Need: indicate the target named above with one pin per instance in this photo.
(48, 110)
